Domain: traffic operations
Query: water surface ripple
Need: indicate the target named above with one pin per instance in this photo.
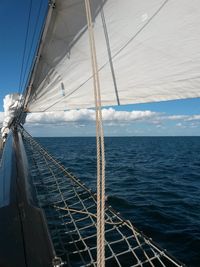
(154, 181)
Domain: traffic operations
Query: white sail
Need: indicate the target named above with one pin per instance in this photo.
(153, 44)
(12, 104)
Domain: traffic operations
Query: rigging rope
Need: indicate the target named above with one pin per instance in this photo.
(25, 45)
(100, 145)
(32, 43)
(87, 213)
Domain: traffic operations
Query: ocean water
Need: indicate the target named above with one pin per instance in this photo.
(153, 181)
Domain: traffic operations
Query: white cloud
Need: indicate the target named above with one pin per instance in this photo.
(134, 122)
(88, 115)
(176, 117)
(193, 118)
(194, 125)
(60, 117)
(113, 115)
(183, 117)
(159, 126)
(1, 118)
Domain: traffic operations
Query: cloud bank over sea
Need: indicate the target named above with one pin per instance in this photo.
(88, 115)
(118, 123)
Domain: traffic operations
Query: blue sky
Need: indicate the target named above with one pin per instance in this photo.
(13, 20)
(163, 119)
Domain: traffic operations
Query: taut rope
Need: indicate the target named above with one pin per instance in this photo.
(100, 145)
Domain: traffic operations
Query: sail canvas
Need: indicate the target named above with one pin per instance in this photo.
(147, 51)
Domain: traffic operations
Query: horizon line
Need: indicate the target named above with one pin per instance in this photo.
(93, 136)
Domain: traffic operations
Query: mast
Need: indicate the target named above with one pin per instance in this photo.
(38, 54)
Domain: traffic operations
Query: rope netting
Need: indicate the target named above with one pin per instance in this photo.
(70, 209)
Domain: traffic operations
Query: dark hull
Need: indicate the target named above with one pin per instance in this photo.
(24, 237)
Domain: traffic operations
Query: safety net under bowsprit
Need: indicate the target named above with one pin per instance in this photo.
(70, 209)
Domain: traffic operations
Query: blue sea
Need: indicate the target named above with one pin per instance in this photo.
(153, 181)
